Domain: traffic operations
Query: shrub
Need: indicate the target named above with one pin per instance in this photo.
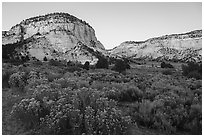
(108, 121)
(5, 78)
(130, 94)
(7, 71)
(83, 111)
(192, 70)
(34, 80)
(166, 65)
(145, 115)
(45, 59)
(112, 93)
(194, 74)
(63, 119)
(194, 122)
(53, 76)
(67, 82)
(154, 115)
(83, 83)
(102, 63)
(29, 112)
(127, 65)
(86, 65)
(18, 80)
(121, 66)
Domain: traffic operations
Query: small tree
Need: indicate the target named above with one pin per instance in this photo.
(86, 65)
(120, 66)
(102, 63)
(126, 62)
(45, 58)
(54, 51)
(192, 70)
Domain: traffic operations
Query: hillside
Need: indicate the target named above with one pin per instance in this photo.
(175, 47)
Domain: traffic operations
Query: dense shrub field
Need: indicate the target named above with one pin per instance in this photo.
(50, 99)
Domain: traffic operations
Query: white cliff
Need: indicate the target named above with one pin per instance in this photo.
(58, 32)
(183, 47)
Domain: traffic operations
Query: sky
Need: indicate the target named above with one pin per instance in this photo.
(115, 22)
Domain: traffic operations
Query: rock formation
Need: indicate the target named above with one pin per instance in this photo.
(175, 47)
(56, 35)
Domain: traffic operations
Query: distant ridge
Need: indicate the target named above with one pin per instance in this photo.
(174, 47)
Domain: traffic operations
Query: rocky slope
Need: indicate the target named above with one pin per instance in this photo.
(175, 47)
(56, 35)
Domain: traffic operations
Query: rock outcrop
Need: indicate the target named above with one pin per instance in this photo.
(56, 35)
(175, 47)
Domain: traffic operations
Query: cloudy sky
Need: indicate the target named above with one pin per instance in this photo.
(113, 22)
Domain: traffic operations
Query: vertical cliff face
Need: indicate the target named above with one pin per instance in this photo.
(58, 32)
(181, 47)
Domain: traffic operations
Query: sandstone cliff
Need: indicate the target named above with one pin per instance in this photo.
(176, 47)
(56, 35)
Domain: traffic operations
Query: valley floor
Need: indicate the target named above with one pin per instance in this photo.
(147, 101)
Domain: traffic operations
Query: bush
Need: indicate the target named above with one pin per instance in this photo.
(127, 65)
(29, 112)
(18, 80)
(120, 66)
(194, 74)
(130, 94)
(45, 59)
(144, 115)
(67, 82)
(53, 76)
(102, 63)
(5, 79)
(195, 119)
(166, 65)
(62, 111)
(86, 65)
(192, 70)
(7, 71)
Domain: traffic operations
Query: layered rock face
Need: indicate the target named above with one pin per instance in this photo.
(57, 35)
(175, 47)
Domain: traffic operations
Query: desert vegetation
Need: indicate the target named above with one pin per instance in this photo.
(58, 98)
